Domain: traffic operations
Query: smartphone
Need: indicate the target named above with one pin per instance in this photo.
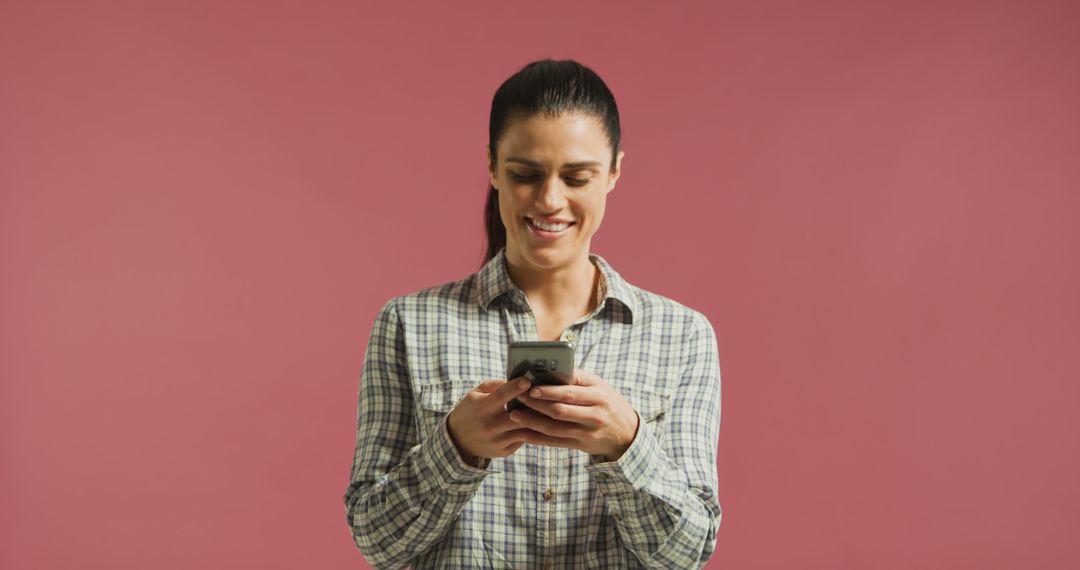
(541, 361)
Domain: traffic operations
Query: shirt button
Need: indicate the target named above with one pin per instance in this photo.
(548, 494)
(617, 516)
(571, 336)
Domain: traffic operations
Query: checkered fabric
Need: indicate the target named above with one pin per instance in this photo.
(411, 499)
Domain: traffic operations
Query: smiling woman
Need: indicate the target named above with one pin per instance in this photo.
(550, 189)
(617, 469)
(554, 152)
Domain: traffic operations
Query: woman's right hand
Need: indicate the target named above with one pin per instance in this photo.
(480, 426)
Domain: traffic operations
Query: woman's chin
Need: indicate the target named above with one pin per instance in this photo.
(549, 255)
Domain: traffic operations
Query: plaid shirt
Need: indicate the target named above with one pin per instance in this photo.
(412, 500)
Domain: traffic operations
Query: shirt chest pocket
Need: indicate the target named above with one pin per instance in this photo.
(439, 399)
(652, 406)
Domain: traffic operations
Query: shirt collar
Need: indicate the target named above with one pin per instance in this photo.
(494, 280)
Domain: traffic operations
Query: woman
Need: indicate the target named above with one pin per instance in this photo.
(617, 470)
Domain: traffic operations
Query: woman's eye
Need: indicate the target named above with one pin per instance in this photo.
(532, 178)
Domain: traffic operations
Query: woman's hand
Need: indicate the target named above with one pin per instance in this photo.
(588, 415)
(479, 425)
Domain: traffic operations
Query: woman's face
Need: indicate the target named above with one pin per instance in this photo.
(552, 169)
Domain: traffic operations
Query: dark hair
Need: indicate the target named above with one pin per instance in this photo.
(551, 88)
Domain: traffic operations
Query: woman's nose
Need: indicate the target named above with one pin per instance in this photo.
(552, 194)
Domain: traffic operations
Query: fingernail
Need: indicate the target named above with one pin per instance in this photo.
(523, 383)
(535, 393)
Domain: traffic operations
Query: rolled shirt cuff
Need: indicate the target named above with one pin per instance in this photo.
(634, 469)
(441, 461)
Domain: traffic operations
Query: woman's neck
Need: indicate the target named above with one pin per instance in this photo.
(565, 289)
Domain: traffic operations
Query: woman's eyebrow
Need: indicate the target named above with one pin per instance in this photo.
(536, 164)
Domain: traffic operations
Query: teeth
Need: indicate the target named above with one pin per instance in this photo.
(549, 227)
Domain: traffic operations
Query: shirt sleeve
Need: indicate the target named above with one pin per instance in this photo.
(664, 496)
(404, 494)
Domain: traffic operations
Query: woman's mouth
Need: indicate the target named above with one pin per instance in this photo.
(547, 231)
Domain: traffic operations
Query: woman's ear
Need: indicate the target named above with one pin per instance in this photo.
(491, 167)
(618, 171)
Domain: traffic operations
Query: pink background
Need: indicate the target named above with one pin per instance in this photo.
(204, 203)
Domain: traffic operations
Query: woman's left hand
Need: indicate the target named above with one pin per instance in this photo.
(588, 415)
